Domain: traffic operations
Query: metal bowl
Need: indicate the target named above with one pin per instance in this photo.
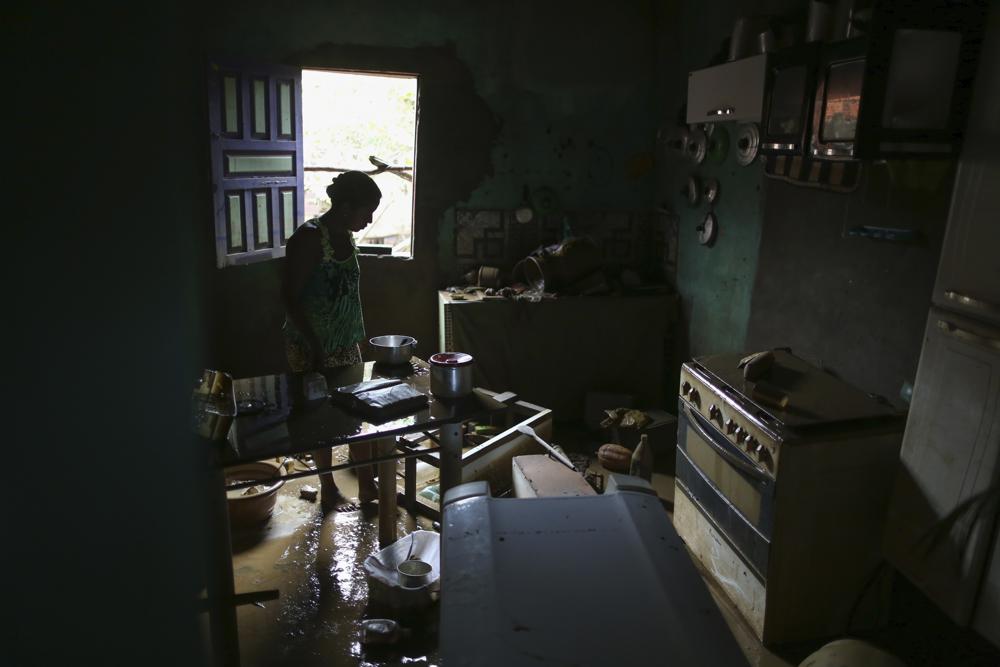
(393, 350)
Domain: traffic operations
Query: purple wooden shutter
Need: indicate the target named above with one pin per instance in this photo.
(255, 124)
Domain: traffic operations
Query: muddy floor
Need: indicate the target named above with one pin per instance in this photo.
(316, 562)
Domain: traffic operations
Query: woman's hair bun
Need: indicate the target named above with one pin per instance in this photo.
(353, 187)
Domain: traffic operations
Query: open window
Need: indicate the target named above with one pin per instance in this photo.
(280, 134)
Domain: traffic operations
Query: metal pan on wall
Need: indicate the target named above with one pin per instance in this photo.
(747, 143)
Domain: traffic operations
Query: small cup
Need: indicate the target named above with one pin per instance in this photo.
(413, 573)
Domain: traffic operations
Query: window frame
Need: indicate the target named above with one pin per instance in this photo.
(418, 79)
(245, 141)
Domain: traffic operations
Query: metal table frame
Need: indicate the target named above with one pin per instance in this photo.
(222, 600)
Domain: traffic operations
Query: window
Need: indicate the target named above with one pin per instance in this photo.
(279, 136)
(376, 130)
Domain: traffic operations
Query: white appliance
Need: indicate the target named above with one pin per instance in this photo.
(590, 581)
(784, 505)
(951, 449)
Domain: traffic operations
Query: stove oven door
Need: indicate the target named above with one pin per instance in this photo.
(736, 497)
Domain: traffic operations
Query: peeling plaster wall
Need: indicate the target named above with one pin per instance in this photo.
(555, 94)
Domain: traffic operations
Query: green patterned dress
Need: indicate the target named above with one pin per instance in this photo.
(331, 299)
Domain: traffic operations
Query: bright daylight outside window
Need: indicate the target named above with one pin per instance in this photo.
(364, 122)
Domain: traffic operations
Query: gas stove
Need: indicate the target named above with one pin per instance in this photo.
(816, 403)
(782, 488)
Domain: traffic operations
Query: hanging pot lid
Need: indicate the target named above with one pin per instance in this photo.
(747, 143)
(692, 190)
(677, 140)
(697, 147)
(711, 190)
(708, 229)
(718, 144)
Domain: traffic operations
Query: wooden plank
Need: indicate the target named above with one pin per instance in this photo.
(538, 476)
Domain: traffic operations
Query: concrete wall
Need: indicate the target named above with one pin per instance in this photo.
(782, 272)
(857, 306)
(554, 94)
(714, 283)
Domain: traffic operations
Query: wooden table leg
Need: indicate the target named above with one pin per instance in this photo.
(386, 493)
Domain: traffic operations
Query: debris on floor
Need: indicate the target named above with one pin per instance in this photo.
(381, 631)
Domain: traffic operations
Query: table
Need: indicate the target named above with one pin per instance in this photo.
(293, 425)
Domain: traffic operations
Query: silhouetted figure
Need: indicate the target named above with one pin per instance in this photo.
(320, 290)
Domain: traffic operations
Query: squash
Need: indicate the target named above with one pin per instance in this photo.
(615, 457)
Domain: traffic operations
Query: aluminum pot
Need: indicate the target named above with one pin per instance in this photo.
(393, 350)
(451, 374)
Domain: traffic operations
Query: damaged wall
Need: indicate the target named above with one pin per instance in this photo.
(512, 94)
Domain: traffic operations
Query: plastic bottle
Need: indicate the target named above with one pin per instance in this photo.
(642, 460)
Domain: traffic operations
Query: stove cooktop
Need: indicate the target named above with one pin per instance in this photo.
(815, 397)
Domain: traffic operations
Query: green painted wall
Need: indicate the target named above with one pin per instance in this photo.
(568, 91)
(783, 272)
(715, 283)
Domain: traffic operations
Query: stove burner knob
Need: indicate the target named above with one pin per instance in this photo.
(750, 443)
(694, 397)
(685, 388)
(764, 456)
(738, 433)
(715, 413)
(731, 426)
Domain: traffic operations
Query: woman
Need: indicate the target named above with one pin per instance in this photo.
(324, 323)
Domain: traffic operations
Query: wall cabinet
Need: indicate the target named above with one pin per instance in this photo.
(733, 91)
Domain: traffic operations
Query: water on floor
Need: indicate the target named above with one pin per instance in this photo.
(316, 562)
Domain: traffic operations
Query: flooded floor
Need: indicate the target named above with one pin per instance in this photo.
(316, 562)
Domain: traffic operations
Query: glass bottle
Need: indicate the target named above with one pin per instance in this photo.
(642, 460)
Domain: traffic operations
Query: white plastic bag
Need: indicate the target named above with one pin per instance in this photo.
(384, 585)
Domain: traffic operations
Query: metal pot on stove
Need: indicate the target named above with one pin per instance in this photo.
(451, 374)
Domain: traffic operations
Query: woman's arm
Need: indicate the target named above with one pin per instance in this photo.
(302, 254)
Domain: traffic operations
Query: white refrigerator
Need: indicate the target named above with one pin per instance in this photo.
(951, 446)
